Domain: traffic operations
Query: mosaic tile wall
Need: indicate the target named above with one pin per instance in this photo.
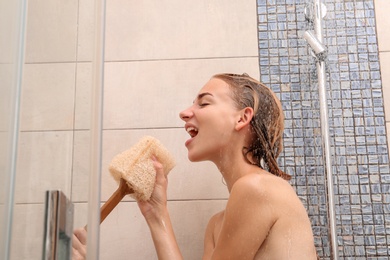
(357, 122)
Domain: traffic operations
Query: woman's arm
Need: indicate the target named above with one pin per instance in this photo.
(157, 216)
(213, 227)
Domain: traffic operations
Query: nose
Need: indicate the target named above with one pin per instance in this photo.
(186, 114)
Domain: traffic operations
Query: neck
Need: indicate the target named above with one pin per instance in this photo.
(234, 167)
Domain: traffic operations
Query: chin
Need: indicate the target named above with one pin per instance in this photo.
(194, 158)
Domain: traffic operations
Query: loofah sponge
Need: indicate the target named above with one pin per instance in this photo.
(135, 166)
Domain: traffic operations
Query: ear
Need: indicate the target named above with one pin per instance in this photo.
(245, 118)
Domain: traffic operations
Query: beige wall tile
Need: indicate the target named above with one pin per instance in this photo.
(51, 31)
(9, 13)
(189, 220)
(7, 95)
(48, 97)
(83, 95)
(80, 217)
(44, 163)
(124, 233)
(382, 9)
(27, 231)
(385, 73)
(139, 30)
(85, 36)
(81, 166)
(151, 94)
(4, 165)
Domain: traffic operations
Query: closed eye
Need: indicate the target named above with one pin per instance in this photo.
(200, 99)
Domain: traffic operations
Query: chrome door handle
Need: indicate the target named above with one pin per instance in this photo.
(57, 242)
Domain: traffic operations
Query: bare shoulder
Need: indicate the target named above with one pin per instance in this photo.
(287, 214)
(263, 185)
(262, 210)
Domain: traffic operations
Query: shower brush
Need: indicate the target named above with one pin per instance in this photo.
(134, 171)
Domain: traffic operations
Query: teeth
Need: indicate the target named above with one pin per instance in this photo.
(189, 129)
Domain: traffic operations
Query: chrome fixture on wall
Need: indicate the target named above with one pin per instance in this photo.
(314, 13)
(317, 47)
(58, 232)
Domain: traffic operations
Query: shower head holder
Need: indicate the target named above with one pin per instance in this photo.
(318, 49)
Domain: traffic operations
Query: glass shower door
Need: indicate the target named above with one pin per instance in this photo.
(46, 84)
(12, 21)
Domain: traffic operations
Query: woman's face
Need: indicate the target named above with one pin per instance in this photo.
(210, 121)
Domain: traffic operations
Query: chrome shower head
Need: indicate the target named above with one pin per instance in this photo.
(318, 48)
(309, 12)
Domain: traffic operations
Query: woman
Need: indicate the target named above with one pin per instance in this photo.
(237, 123)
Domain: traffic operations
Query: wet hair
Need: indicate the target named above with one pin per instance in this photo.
(267, 124)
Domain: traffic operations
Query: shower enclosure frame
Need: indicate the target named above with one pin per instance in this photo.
(13, 61)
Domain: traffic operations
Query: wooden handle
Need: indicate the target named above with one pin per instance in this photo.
(115, 198)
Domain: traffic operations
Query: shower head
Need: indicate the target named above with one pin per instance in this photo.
(317, 47)
(309, 12)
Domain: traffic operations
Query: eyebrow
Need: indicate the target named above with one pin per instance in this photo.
(201, 95)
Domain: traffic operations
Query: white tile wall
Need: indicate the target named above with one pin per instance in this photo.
(85, 36)
(6, 77)
(151, 94)
(51, 31)
(386, 95)
(27, 232)
(83, 95)
(190, 220)
(124, 233)
(81, 165)
(382, 8)
(4, 158)
(48, 97)
(144, 30)
(44, 162)
(385, 71)
(9, 21)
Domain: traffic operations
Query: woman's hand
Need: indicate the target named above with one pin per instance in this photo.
(79, 244)
(156, 214)
(157, 204)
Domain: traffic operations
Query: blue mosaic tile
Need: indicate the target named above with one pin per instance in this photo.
(356, 105)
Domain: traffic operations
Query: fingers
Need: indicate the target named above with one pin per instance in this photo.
(161, 177)
(79, 242)
(76, 255)
(81, 234)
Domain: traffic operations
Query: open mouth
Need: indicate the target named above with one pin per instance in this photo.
(192, 131)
